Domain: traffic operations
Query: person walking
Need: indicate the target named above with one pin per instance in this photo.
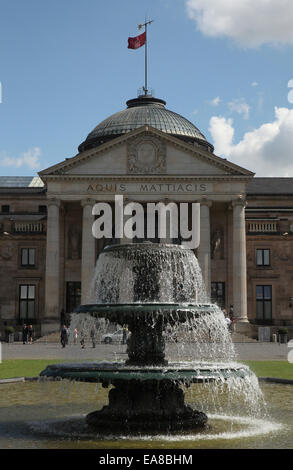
(93, 336)
(228, 322)
(231, 312)
(124, 335)
(233, 325)
(63, 336)
(30, 334)
(82, 341)
(24, 333)
(75, 336)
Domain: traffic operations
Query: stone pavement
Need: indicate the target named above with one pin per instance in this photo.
(111, 352)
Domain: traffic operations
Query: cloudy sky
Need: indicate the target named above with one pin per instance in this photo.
(225, 65)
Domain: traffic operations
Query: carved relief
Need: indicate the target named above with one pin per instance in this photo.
(74, 243)
(6, 251)
(249, 256)
(217, 243)
(146, 155)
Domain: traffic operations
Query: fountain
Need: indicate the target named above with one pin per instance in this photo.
(156, 290)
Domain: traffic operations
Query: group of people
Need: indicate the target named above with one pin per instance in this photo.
(27, 334)
(230, 319)
(65, 334)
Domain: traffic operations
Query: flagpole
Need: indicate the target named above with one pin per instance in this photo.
(146, 62)
(145, 56)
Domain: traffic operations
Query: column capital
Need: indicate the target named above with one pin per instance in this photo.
(205, 202)
(87, 202)
(53, 201)
(240, 201)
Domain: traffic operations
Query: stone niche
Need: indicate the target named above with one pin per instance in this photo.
(217, 243)
(73, 232)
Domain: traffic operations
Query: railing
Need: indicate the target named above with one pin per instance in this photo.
(28, 227)
(262, 227)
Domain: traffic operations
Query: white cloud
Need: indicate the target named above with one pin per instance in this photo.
(266, 150)
(30, 158)
(222, 133)
(250, 23)
(240, 107)
(254, 84)
(215, 101)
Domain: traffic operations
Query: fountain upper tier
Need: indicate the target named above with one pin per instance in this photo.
(147, 273)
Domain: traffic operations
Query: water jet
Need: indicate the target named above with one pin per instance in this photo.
(154, 289)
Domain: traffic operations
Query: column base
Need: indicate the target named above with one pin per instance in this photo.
(244, 327)
(48, 327)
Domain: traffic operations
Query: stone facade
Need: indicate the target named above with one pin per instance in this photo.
(246, 236)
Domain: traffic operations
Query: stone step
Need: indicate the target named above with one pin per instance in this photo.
(50, 338)
(241, 338)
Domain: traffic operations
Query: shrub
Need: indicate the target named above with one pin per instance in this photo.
(9, 330)
(282, 331)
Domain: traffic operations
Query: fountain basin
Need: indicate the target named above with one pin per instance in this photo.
(106, 372)
(145, 398)
(123, 313)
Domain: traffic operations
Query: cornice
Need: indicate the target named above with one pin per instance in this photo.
(147, 178)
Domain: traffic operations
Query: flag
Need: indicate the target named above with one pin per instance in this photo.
(138, 41)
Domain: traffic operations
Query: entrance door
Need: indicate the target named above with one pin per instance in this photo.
(73, 295)
(218, 294)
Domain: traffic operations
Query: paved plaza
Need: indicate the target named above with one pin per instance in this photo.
(110, 352)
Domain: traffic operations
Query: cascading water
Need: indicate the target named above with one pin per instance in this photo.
(176, 339)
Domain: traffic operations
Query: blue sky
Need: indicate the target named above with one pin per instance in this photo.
(224, 65)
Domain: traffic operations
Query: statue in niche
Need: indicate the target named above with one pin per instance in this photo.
(249, 256)
(6, 252)
(217, 244)
(284, 254)
(74, 243)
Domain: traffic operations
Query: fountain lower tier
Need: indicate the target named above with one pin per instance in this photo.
(146, 323)
(146, 399)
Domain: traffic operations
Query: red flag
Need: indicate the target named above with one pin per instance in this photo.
(138, 41)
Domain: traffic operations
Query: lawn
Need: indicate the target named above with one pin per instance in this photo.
(11, 368)
(278, 369)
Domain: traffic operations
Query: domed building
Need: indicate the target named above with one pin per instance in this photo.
(147, 154)
(142, 111)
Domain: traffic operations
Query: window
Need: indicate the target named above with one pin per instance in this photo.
(28, 257)
(263, 302)
(73, 295)
(43, 209)
(5, 209)
(263, 257)
(218, 294)
(27, 298)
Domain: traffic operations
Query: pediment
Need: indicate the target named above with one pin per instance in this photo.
(146, 151)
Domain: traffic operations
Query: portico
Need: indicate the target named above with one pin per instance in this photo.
(99, 174)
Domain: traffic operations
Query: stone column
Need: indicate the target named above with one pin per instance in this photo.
(88, 253)
(52, 274)
(204, 249)
(239, 262)
(124, 240)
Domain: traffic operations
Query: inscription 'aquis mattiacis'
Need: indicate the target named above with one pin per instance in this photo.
(173, 188)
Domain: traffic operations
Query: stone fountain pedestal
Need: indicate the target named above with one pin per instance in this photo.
(144, 406)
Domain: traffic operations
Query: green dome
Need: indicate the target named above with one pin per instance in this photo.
(141, 111)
